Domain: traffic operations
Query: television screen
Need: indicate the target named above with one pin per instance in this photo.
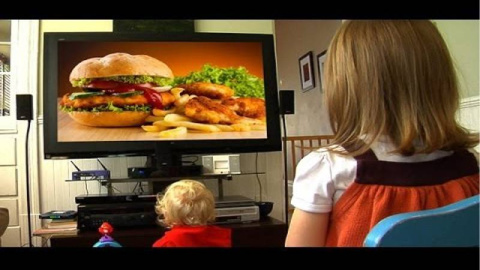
(113, 94)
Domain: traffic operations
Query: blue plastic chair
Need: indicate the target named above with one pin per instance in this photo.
(454, 225)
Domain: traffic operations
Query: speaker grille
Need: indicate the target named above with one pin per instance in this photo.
(287, 102)
(24, 107)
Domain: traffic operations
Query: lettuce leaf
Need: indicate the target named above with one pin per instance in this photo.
(109, 108)
(243, 83)
(134, 79)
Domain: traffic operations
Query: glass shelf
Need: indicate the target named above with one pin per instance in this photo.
(219, 177)
(169, 178)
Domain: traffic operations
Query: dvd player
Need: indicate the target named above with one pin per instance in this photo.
(233, 201)
(240, 214)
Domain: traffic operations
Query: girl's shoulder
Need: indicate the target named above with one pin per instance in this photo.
(325, 155)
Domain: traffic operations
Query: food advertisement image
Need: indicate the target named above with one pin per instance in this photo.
(151, 91)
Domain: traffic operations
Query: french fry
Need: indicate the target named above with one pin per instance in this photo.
(161, 123)
(151, 118)
(249, 121)
(173, 117)
(225, 128)
(182, 100)
(158, 112)
(153, 128)
(258, 127)
(173, 133)
(176, 92)
(241, 127)
(190, 125)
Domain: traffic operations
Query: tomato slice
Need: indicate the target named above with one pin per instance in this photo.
(111, 87)
(103, 84)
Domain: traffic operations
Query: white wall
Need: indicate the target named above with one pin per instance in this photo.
(294, 38)
(235, 26)
(462, 38)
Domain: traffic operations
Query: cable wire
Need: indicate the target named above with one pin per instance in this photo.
(28, 187)
(287, 204)
(258, 178)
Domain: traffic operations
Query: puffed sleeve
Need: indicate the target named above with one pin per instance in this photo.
(313, 186)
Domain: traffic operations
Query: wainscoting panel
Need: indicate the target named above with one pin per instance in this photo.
(8, 156)
(11, 238)
(8, 181)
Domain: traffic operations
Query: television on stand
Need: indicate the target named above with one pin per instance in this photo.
(161, 96)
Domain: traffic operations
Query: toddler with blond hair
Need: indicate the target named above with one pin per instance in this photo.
(188, 209)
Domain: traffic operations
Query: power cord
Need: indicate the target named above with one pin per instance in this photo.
(28, 187)
(191, 162)
(86, 186)
(284, 142)
(258, 178)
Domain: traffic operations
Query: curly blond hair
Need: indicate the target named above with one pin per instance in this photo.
(185, 202)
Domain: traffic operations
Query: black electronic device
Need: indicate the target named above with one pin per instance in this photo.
(24, 107)
(177, 171)
(140, 172)
(63, 137)
(287, 102)
(91, 174)
(59, 214)
(114, 198)
(119, 215)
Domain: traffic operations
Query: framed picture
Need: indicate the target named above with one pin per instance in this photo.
(307, 79)
(321, 60)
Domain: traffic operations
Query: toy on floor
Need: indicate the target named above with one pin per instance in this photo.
(106, 240)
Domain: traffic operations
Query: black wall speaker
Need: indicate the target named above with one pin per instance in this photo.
(287, 102)
(24, 107)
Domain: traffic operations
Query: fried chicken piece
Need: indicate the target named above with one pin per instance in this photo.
(247, 107)
(205, 110)
(211, 90)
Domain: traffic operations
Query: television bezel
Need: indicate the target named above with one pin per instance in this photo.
(55, 149)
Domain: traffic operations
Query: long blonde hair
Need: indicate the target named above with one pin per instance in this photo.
(186, 202)
(393, 78)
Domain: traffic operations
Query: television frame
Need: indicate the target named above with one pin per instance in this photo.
(55, 149)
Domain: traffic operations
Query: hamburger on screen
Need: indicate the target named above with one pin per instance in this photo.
(118, 90)
(122, 90)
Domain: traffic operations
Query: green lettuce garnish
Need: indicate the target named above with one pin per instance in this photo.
(243, 83)
(133, 79)
(109, 108)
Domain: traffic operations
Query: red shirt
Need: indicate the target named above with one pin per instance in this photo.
(196, 236)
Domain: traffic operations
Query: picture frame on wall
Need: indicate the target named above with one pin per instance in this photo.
(321, 57)
(307, 77)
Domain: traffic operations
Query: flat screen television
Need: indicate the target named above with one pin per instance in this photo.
(222, 90)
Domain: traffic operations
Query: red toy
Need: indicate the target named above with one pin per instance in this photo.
(106, 240)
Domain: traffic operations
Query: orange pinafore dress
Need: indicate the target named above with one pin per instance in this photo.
(383, 188)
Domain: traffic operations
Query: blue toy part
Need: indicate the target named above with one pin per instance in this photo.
(106, 241)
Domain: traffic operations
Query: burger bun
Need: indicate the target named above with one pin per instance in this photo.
(109, 119)
(120, 64)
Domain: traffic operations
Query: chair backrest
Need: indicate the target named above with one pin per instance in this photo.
(454, 225)
(300, 146)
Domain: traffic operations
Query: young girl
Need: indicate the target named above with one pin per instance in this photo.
(392, 94)
(187, 207)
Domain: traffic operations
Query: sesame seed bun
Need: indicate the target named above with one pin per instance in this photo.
(120, 64)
